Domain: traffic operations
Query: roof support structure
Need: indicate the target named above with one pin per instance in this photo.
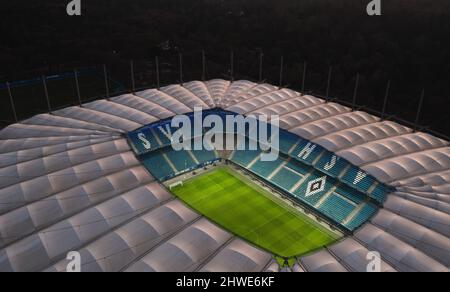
(44, 83)
(105, 74)
(305, 66)
(232, 66)
(11, 100)
(419, 110)
(77, 86)
(355, 92)
(203, 65)
(261, 57)
(180, 61)
(281, 71)
(133, 82)
(386, 96)
(330, 72)
(158, 86)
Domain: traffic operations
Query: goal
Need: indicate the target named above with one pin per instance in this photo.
(176, 184)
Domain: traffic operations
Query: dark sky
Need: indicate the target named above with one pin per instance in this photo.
(409, 44)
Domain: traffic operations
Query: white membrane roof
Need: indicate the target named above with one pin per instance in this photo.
(69, 181)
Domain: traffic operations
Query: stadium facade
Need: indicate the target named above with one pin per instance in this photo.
(74, 180)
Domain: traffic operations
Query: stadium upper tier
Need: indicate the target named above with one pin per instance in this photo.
(69, 181)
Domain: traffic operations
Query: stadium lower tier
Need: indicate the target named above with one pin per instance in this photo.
(167, 163)
(344, 205)
(347, 207)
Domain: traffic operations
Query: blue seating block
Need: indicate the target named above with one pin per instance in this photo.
(350, 193)
(299, 167)
(180, 159)
(367, 211)
(315, 151)
(156, 158)
(380, 193)
(265, 168)
(312, 198)
(336, 208)
(331, 164)
(245, 157)
(286, 179)
(204, 156)
(287, 141)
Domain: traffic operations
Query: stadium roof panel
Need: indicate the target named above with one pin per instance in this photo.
(74, 164)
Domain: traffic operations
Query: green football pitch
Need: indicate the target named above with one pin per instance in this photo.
(250, 212)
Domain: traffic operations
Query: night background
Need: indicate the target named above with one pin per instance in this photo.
(409, 45)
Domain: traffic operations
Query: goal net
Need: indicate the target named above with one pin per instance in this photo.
(176, 184)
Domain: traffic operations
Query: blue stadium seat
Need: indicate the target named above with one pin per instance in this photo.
(267, 126)
(350, 193)
(265, 168)
(363, 184)
(164, 140)
(204, 156)
(367, 211)
(299, 167)
(287, 140)
(380, 192)
(286, 179)
(331, 164)
(139, 145)
(305, 194)
(245, 157)
(314, 153)
(336, 208)
(180, 159)
(156, 158)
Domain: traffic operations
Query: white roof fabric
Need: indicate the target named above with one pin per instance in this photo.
(182, 252)
(322, 261)
(238, 256)
(69, 181)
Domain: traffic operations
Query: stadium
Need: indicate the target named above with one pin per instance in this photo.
(102, 179)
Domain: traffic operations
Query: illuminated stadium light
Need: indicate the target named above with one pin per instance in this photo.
(81, 179)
